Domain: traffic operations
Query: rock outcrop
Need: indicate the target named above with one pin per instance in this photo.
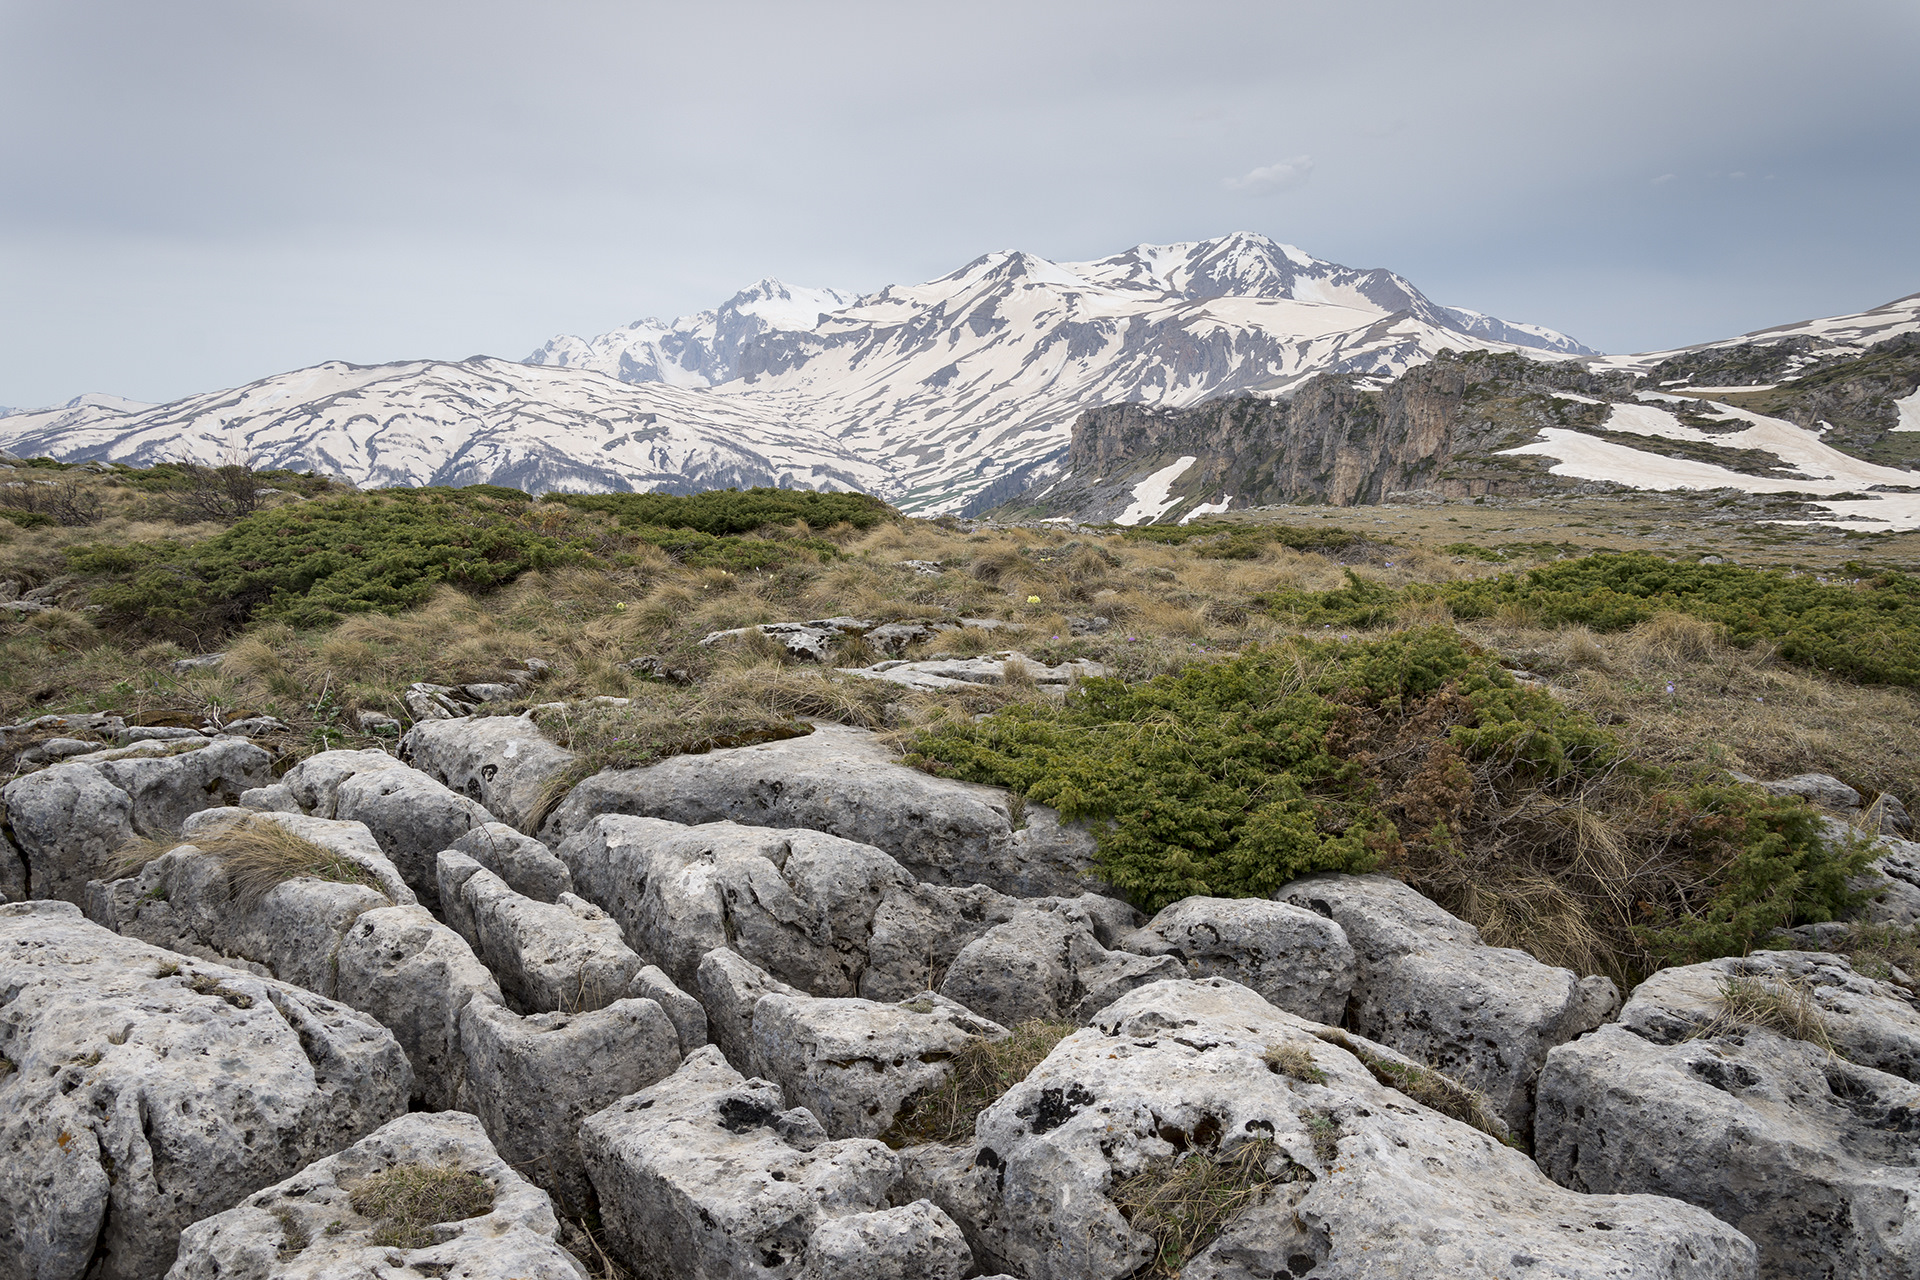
(1297, 959)
(310, 1226)
(843, 782)
(710, 1176)
(1809, 1150)
(144, 1090)
(71, 819)
(1357, 1180)
(1427, 986)
(503, 762)
(411, 816)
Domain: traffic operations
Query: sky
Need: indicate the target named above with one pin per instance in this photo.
(197, 194)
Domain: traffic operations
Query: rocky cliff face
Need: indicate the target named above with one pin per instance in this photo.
(1339, 440)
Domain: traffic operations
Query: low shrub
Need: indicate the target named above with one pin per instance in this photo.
(1359, 604)
(310, 563)
(720, 512)
(1236, 541)
(1767, 866)
(1237, 776)
(1866, 629)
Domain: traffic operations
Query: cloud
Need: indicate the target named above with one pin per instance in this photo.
(1662, 179)
(1272, 177)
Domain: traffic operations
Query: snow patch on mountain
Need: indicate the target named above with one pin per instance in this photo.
(1821, 468)
(1153, 496)
(1828, 337)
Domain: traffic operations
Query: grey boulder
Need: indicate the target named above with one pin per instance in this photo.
(1297, 959)
(710, 1176)
(411, 816)
(145, 1090)
(307, 1227)
(1809, 1152)
(503, 762)
(534, 1079)
(855, 1063)
(520, 860)
(844, 781)
(1427, 986)
(914, 1242)
(1047, 964)
(71, 820)
(1360, 1180)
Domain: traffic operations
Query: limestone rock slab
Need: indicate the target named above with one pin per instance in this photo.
(148, 1089)
(307, 1227)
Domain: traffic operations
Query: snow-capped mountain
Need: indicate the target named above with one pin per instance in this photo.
(475, 421)
(965, 388)
(697, 350)
(944, 396)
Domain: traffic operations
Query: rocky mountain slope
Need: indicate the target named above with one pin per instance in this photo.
(1839, 433)
(944, 396)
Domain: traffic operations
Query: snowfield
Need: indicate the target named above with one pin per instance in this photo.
(1152, 496)
(1821, 468)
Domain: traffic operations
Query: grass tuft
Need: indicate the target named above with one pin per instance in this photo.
(1427, 1086)
(1786, 1007)
(1185, 1204)
(258, 853)
(982, 1070)
(1293, 1061)
(410, 1199)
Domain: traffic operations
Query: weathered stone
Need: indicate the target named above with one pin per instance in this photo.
(351, 840)
(1365, 1182)
(70, 820)
(1808, 1152)
(503, 762)
(316, 780)
(416, 976)
(914, 1242)
(411, 816)
(13, 870)
(277, 798)
(520, 860)
(854, 1063)
(708, 1176)
(799, 903)
(566, 956)
(1047, 964)
(935, 674)
(146, 1090)
(1895, 873)
(1428, 987)
(842, 781)
(730, 990)
(812, 641)
(307, 1226)
(1299, 960)
(533, 1080)
(1818, 788)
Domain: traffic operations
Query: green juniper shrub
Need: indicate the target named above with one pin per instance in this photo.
(720, 512)
(1358, 604)
(1767, 865)
(310, 563)
(1867, 630)
(1236, 541)
(1237, 776)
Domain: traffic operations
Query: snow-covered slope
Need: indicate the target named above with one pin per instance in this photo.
(480, 420)
(1818, 340)
(1807, 464)
(943, 396)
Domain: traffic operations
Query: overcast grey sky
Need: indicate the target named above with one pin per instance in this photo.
(197, 194)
